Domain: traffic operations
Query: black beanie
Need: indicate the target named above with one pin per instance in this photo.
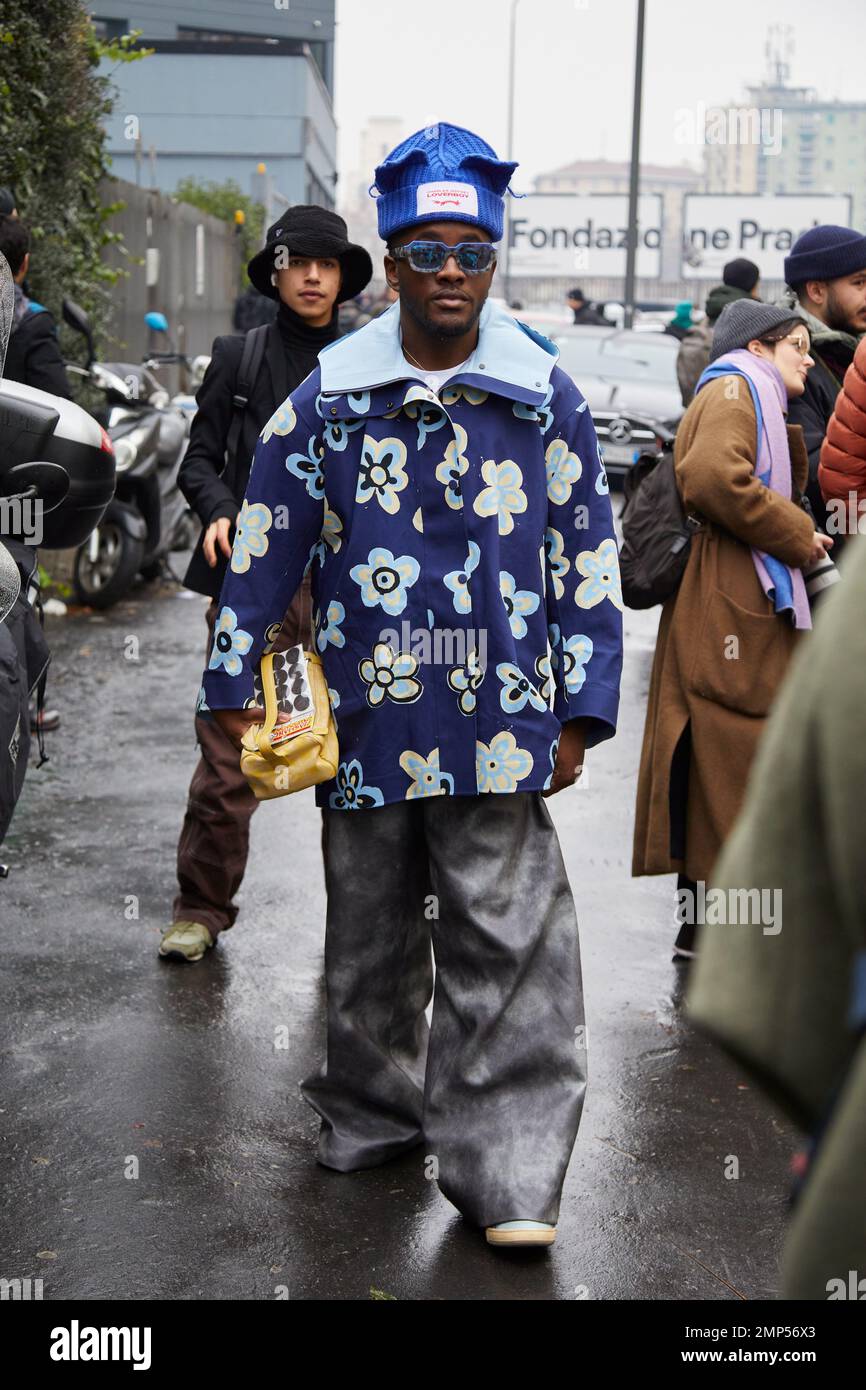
(741, 274)
(825, 253)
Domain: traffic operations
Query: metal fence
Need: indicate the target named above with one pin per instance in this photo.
(538, 292)
(178, 260)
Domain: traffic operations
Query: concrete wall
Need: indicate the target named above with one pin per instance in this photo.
(195, 290)
(197, 273)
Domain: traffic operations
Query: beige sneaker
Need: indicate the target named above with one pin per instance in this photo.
(185, 941)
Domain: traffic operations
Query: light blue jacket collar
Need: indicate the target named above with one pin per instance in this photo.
(510, 358)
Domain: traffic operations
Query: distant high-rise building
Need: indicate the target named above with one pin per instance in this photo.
(822, 150)
(229, 86)
(796, 142)
(377, 139)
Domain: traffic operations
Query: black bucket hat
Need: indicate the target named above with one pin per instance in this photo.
(308, 230)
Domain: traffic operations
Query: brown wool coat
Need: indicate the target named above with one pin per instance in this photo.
(694, 680)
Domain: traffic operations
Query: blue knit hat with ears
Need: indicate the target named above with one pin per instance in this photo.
(442, 172)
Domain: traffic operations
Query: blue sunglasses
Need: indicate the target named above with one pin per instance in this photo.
(474, 257)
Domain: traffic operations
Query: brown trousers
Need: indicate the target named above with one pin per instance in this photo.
(214, 841)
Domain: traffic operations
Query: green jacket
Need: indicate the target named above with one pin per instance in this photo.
(789, 1004)
(694, 353)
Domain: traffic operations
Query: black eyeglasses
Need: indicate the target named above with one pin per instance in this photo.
(429, 256)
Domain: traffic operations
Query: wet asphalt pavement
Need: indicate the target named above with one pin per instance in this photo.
(115, 1062)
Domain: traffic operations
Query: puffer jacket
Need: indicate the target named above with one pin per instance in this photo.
(842, 469)
(833, 352)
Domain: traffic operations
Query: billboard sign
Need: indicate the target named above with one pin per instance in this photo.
(718, 227)
(573, 234)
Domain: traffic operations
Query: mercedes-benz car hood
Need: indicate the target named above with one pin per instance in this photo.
(631, 397)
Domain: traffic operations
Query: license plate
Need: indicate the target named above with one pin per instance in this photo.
(619, 453)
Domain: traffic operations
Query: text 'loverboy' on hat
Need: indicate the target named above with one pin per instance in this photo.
(442, 172)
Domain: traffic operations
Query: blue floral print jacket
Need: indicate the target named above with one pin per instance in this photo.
(465, 579)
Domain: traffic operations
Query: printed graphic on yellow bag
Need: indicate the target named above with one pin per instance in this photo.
(294, 694)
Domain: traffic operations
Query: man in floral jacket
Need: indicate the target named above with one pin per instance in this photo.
(442, 476)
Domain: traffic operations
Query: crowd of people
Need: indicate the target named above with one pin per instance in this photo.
(751, 777)
(437, 464)
(757, 444)
(33, 354)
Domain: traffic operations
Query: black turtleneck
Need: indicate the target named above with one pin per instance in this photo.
(303, 343)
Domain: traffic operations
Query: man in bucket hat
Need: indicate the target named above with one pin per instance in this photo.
(445, 484)
(309, 266)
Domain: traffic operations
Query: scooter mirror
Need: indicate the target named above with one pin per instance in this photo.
(78, 320)
(158, 322)
(48, 482)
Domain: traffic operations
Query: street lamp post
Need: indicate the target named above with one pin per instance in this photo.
(634, 175)
(510, 151)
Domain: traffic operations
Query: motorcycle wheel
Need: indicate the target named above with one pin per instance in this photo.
(186, 533)
(102, 582)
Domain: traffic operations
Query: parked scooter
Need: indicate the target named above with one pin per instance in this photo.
(184, 401)
(56, 480)
(149, 516)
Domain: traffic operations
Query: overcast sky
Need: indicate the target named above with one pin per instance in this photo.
(428, 60)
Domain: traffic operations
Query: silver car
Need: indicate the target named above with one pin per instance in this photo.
(629, 380)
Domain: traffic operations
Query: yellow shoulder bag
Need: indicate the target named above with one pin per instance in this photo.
(281, 758)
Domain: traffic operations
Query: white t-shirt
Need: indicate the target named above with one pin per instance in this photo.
(435, 380)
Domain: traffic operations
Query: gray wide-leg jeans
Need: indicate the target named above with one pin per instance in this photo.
(494, 1088)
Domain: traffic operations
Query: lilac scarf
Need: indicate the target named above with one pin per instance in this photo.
(784, 586)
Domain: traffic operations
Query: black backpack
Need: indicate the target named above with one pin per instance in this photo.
(656, 532)
(255, 345)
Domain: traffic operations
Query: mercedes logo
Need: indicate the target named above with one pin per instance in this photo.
(619, 431)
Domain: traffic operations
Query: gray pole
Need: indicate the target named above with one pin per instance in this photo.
(634, 178)
(510, 153)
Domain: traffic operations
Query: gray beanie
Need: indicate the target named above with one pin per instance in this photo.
(745, 319)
